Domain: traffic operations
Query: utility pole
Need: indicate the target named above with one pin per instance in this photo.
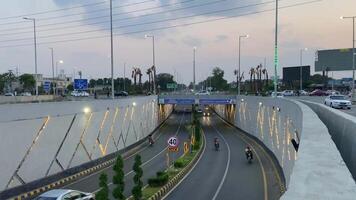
(53, 81)
(276, 51)
(125, 77)
(35, 48)
(112, 53)
(194, 52)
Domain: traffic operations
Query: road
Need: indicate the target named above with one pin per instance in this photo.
(153, 158)
(226, 174)
(321, 100)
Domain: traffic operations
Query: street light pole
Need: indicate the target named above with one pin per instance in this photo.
(53, 82)
(125, 77)
(153, 61)
(276, 51)
(194, 52)
(35, 47)
(353, 96)
(301, 68)
(239, 71)
(112, 53)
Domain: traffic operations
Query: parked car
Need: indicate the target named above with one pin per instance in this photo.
(121, 93)
(27, 94)
(9, 94)
(288, 93)
(303, 93)
(332, 92)
(63, 194)
(278, 95)
(203, 92)
(318, 92)
(338, 101)
(77, 93)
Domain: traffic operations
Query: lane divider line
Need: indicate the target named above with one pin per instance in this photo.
(227, 165)
(188, 173)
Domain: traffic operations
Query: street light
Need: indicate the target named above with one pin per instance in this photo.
(153, 61)
(58, 62)
(301, 68)
(112, 53)
(276, 50)
(35, 47)
(53, 82)
(194, 52)
(239, 71)
(353, 97)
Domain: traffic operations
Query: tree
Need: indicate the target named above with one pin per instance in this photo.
(103, 194)
(163, 79)
(137, 189)
(70, 87)
(217, 80)
(118, 179)
(28, 81)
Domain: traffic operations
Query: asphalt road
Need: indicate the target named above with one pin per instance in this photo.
(226, 174)
(321, 100)
(153, 158)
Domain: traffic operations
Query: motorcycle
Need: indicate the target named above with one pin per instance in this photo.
(217, 146)
(150, 141)
(249, 156)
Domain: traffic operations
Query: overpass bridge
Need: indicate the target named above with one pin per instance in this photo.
(68, 145)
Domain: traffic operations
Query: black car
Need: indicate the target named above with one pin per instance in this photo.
(121, 93)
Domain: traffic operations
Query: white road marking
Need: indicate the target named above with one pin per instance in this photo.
(227, 165)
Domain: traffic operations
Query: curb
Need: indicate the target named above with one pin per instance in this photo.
(176, 180)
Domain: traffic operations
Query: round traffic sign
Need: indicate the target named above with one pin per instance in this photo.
(173, 142)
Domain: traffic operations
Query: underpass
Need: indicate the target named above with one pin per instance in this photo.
(226, 174)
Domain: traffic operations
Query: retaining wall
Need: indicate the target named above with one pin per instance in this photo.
(317, 170)
(24, 99)
(41, 139)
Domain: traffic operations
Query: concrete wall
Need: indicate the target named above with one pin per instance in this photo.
(342, 128)
(24, 99)
(41, 139)
(273, 121)
(317, 170)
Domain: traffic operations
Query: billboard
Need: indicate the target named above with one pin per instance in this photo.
(333, 60)
(291, 74)
(80, 84)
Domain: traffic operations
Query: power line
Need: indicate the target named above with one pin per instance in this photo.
(56, 10)
(146, 23)
(121, 19)
(94, 23)
(125, 5)
(167, 27)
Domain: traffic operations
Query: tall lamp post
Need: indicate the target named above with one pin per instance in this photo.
(153, 61)
(239, 71)
(35, 47)
(194, 54)
(301, 68)
(53, 82)
(112, 53)
(276, 51)
(353, 97)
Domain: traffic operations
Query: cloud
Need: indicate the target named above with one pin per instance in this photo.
(192, 41)
(129, 19)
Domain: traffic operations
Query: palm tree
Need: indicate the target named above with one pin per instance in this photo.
(252, 75)
(133, 75)
(265, 73)
(148, 72)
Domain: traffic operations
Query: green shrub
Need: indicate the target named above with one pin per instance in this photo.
(160, 180)
(179, 163)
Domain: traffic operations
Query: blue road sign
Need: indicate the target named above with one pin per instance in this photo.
(216, 101)
(179, 101)
(80, 84)
(47, 86)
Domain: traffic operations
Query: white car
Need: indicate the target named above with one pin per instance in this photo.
(288, 93)
(279, 95)
(64, 194)
(303, 93)
(76, 93)
(332, 92)
(203, 92)
(338, 101)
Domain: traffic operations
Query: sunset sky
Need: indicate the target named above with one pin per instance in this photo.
(314, 26)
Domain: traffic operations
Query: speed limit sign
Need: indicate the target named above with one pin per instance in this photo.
(173, 142)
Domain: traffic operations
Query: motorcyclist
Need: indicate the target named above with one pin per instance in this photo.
(248, 152)
(216, 144)
(150, 140)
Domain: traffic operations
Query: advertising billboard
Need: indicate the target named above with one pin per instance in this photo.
(333, 60)
(291, 74)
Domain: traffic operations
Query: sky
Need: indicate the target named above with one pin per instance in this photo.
(315, 26)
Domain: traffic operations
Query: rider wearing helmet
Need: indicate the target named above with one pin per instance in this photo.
(216, 144)
(248, 153)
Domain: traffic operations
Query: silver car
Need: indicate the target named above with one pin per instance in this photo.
(64, 194)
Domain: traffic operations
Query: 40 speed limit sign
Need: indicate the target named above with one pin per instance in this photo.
(173, 143)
